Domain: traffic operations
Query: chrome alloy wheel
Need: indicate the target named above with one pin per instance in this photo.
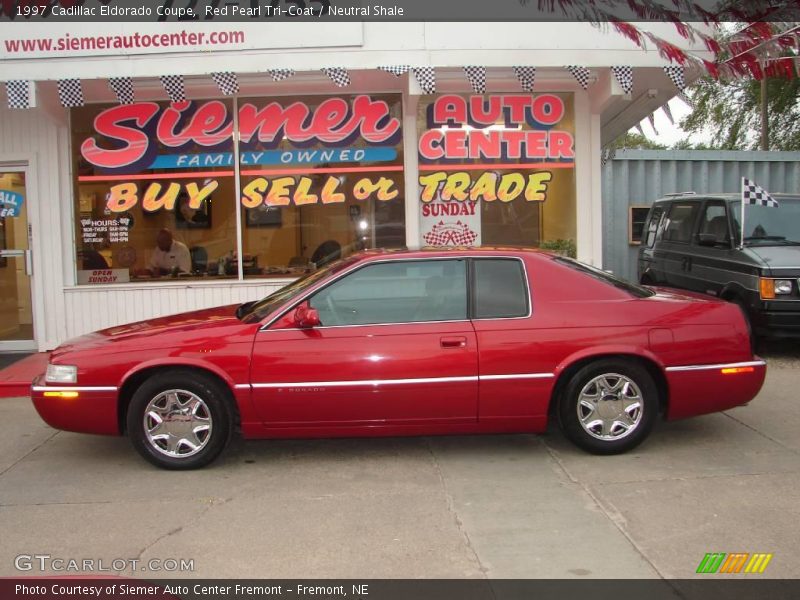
(610, 406)
(177, 423)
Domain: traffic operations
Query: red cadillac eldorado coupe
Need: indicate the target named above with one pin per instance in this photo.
(410, 343)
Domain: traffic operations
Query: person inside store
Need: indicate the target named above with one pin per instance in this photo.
(170, 256)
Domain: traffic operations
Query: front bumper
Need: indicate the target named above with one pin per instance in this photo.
(702, 389)
(778, 319)
(83, 409)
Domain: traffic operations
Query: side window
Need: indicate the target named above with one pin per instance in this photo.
(500, 288)
(714, 221)
(396, 292)
(680, 221)
(652, 225)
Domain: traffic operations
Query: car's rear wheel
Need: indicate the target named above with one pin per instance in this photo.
(609, 406)
(179, 419)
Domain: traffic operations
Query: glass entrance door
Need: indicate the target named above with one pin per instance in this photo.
(16, 310)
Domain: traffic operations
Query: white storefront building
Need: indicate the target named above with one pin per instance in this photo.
(292, 169)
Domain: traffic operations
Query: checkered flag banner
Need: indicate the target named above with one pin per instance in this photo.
(450, 234)
(70, 93)
(624, 76)
(581, 75)
(339, 76)
(396, 70)
(526, 77)
(281, 74)
(755, 194)
(123, 88)
(686, 99)
(652, 118)
(19, 93)
(677, 74)
(607, 155)
(477, 78)
(668, 111)
(227, 82)
(173, 85)
(639, 129)
(426, 78)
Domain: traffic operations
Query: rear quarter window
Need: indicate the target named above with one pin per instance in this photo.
(651, 226)
(500, 288)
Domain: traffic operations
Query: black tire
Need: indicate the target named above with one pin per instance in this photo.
(616, 437)
(213, 409)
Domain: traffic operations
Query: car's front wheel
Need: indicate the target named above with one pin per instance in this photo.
(179, 419)
(609, 406)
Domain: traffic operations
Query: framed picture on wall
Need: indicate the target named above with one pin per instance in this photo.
(637, 215)
(187, 217)
(263, 216)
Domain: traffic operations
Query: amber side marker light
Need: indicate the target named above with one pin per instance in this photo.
(767, 289)
(734, 370)
(61, 394)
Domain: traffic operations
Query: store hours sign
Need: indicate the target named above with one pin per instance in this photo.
(493, 148)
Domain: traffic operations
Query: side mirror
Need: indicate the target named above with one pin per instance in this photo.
(306, 317)
(706, 239)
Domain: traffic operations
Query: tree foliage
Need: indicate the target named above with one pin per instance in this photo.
(731, 112)
(635, 141)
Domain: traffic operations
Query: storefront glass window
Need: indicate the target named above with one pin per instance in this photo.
(321, 192)
(156, 194)
(497, 170)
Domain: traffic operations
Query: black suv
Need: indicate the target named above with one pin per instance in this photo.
(693, 242)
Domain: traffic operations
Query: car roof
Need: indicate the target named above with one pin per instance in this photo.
(727, 196)
(449, 251)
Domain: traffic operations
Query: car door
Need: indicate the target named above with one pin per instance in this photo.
(674, 249)
(712, 267)
(394, 346)
(513, 385)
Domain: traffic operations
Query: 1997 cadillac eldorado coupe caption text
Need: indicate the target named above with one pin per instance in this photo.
(410, 343)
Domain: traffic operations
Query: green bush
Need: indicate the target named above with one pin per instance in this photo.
(563, 247)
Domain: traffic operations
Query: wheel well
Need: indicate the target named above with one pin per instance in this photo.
(652, 368)
(133, 382)
(647, 279)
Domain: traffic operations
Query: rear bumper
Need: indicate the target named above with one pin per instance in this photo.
(76, 408)
(702, 389)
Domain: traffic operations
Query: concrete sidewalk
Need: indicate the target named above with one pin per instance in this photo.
(492, 506)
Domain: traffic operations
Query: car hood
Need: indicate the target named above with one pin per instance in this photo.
(157, 329)
(778, 257)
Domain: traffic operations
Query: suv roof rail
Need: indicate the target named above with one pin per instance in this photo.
(680, 194)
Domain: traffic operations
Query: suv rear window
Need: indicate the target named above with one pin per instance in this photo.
(680, 220)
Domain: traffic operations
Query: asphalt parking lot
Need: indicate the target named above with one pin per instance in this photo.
(492, 506)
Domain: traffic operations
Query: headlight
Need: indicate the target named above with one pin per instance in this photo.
(770, 288)
(61, 374)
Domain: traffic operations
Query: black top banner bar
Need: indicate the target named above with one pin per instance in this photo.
(30, 11)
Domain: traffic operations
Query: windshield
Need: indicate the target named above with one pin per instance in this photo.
(767, 225)
(263, 307)
(637, 291)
